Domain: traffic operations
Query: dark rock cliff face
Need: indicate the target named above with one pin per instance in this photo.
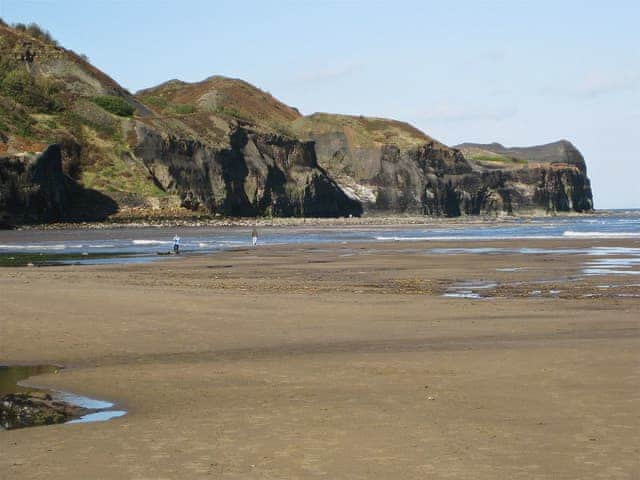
(269, 174)
(540, 189)
(433, 179)
(256, 174)
(404, 176)
(34, 189)
(550, 178)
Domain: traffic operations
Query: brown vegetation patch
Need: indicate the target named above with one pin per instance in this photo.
(227, 97)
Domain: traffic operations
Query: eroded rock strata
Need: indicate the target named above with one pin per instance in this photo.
(256, 174)
(416, 174)
(35, 189)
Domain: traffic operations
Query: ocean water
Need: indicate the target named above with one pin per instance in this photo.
(144, 244)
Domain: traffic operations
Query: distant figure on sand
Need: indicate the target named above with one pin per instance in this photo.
(176, 244)
(254, 237)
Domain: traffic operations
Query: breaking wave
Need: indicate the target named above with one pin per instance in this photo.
(570, 233)
(462, 237)
(33, 247)
(151, 242)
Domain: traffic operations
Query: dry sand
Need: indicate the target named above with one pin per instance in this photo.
(331, 362)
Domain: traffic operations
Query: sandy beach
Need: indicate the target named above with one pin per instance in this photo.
(334, 361)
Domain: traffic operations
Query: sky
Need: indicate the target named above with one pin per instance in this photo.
(515, 72)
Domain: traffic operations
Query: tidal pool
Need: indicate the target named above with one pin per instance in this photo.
(468, 289)
(41, 259)
(10, 377)
(23, 406)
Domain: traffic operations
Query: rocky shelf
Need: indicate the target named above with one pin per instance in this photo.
(30, 409)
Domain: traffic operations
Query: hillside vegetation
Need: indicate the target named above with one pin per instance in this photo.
(51, 95)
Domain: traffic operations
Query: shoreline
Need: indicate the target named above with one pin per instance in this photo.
(366, 220)
(118, 247)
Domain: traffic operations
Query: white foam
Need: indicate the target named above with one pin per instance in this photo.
(619, 262)
(466, 294)
(151, 242)
(608, 271)
(604, 251)
(467, 237)
(33, 247)
(570, 233)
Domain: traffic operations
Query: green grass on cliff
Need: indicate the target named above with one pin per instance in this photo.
(183, 109)
(361, 131)
(116, 105)
(486, 157)
(119, 175)
(166, 107)
(41, 93)
(495, 158)
(16, 119)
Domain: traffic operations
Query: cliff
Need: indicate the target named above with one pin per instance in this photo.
(214, 147)
(34, 189)
(551, 177)
(255, 174)
(222, 146)
(392, 167)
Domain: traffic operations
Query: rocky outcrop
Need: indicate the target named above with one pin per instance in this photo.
(403, 180)
(547, 178)
(34, 189)
(256, 174)
(526, 190)
(429, 178)
(529, 189)
(19, 410)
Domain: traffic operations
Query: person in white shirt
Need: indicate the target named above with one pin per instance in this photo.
(176, 244)
(254, 237)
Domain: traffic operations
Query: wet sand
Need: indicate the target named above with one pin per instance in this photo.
(333, 361)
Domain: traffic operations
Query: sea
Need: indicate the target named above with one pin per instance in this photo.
(142, 244)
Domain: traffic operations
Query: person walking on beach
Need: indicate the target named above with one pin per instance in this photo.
(254, 237)
(176, 244)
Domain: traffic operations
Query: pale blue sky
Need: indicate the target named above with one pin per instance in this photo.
(516, 72)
